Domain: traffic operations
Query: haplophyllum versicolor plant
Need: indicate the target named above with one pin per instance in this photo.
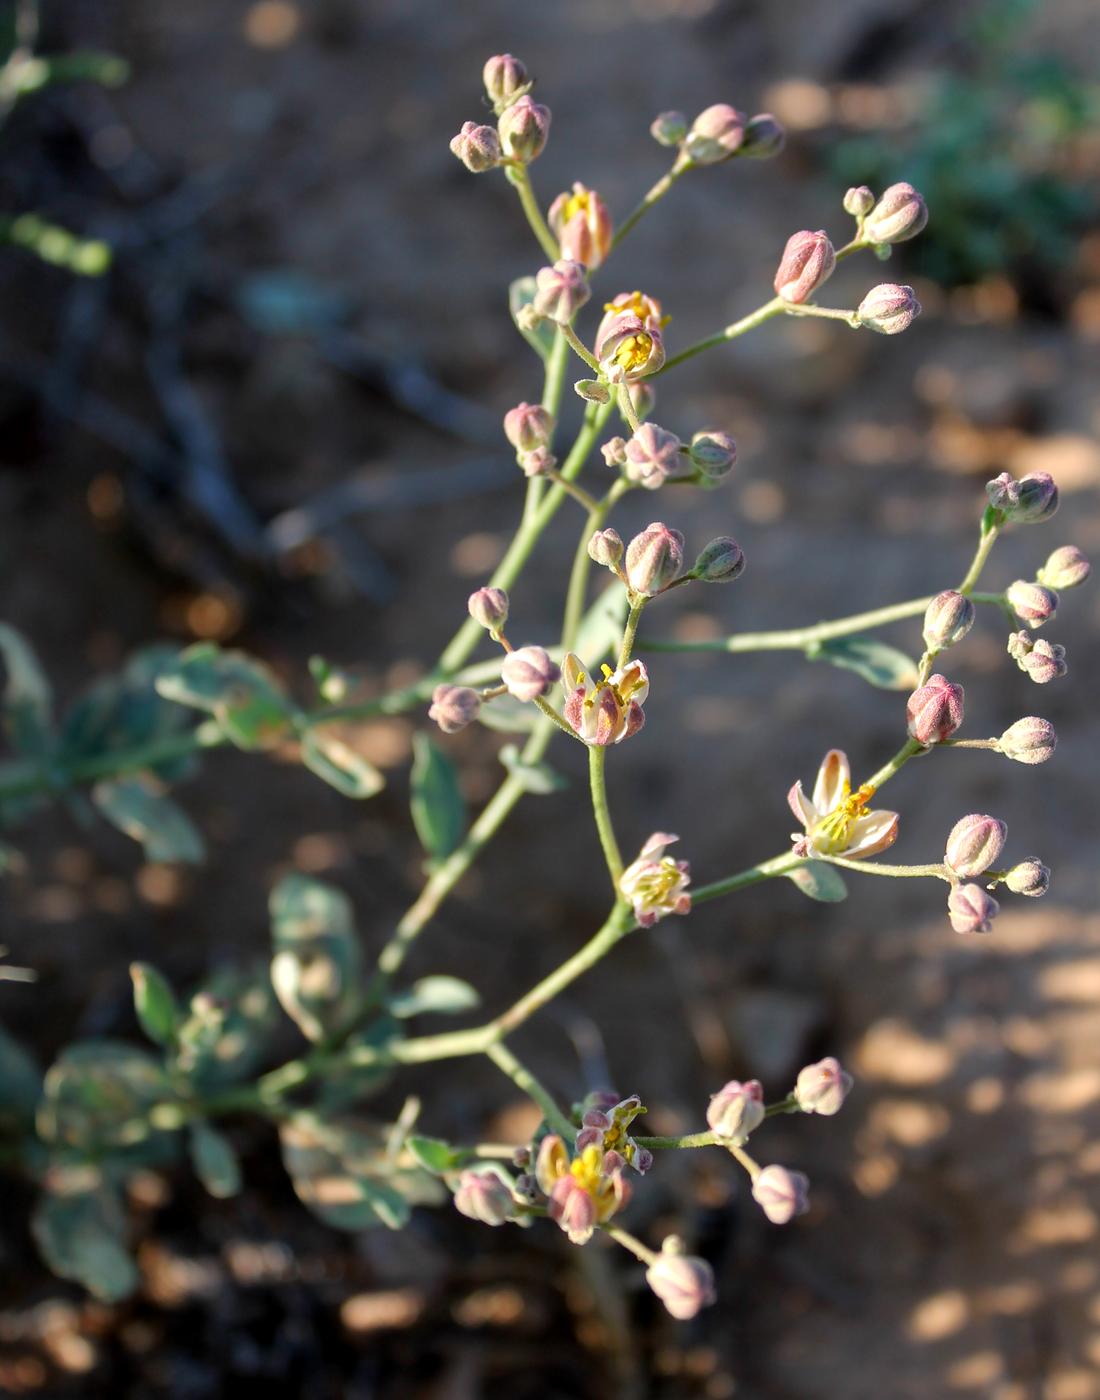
(106, 1108)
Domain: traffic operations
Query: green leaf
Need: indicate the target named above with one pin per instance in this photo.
(337, 763)
(507, 715)
(28, 697)
(317, 965)
(882, 665)
(438, 807)
(79, 1227)
(435, 1155)
(155, 1003)
(536, 778)
(347, 1084)
(520, 294)
(602, 626)
(215, 1162)
(242, 694)
(819, 881)
(227, 1028)
(135, 807)
(443, 996)
(98, 1094)
(20, 1084)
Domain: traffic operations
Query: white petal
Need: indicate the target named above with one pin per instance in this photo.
(871, 833)
(833, 780)
(803, 809)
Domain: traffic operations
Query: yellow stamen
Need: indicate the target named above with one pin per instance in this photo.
(578, 203)
(833, 833)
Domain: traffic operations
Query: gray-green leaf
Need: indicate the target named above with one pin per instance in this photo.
(520, 294)
(155, 1003)
(242, 694)
(438, 807)
(164, 830)
(317, 964)
(435, 1155)
(214, 1160)
(819, 881)
(883, 666)
(79, 1226)
(98, 1095)
(442, 995)
(337, 763)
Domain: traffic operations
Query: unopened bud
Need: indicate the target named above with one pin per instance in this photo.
(764, 137)
(1043, 661)
(974, 844)
(1029, 501)
(900, 213)
(523, 129)
(489, 608)
(1067, 567)
(528, 426)
(505, 79)
(669, 128)
(1030, 877)
(654, 559)
(606, 548)
(808, 261)
(592, 391)
(683, 1282)
(528, 673)
(1029, 740)
(1031, 602)
(582, 225)
(721, 561)
(823, 1087)
(477, 147)
(482, 1195)
(736, 1111)
(652, 455)
(453, 707)
(541, 462)
(971, 909)
(859, 201)
(713, 453)
(934, 710)
(947, 619)
(888, 309)
(782, 1194)
(715, 135)
(560, 291)
(614, 452)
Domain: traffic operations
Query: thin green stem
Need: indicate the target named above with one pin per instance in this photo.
(578, 493)
(630, 630)
(775, 307)
(781, 864)
(632, 1244)
(704, 1139)
(910, 749)
(519, 177)
(580, 348)
(652, 197)
(552, 715)
(626, 407)
(825, 313)
(986, 542)
(597, 755)
(524, 1080)
(874, 867)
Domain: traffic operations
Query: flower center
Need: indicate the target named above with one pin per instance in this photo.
(657, 884)
(833, 833)
(633, 351)
(638, 305)
(579, 203)
(586, 1168)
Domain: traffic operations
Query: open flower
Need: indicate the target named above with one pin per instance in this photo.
(834, 819)
(582, 1193)
(582, 226)
(629, 344)
(606, 711)
(656, 884)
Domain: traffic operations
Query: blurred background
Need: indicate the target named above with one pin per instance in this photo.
(275, 422)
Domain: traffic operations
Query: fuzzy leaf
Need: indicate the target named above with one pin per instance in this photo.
(154, 1003)
(79, 1227)
(226, 1029)
(242, 694)
(164, 830)
(440, 995)
(537, 778)
(507, 715)
(337, 763)
(97, 1095)
(520, 294)
(438, 807)
(317, 964)
(819, 881)
(883, 666)
(435, 1155)
(214, 1160)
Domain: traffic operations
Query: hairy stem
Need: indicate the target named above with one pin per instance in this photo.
(519, 177)
(597, 756)
(652, 197)
(524, 1080)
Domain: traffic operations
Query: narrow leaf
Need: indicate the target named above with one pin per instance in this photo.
(215, 1162)
(242, 694)
(335, 762)
(137, 809)
(444, 996)
(435, 1155)
(883, 666)
(819, 881)
(79, 1226)
(155, 1003)
(438, 807)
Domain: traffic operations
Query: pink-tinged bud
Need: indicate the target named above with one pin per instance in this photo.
(823, 1087)
(477, 147)
(683, 1282)
(652, 455)
(1031, 602)
(900, 213)
(715, 135)
(592, 391)
(614, 452)
(971, 909)
(528, 673)
(606, 548)
(808, 261)
(629, 348)
(782, 1194)
(523, 129)
(947, 619)
(528, 426)
(1003, 492)
(1029, 501)
(888, 309)
(643, 398)
(1029, 740)
(859, 201)
(560, 291)
(974, 844)
(1043, 661)
(935, 710)
(453, 707)
(721, 561)
(764, 137)
(506, 80)
(713, 453)
(654, 559)
(582, 224)
(541, 462)
(736, 1111)
(482, 1195)
(669, 128)
(1030, 877)
(1067, 567)
(489, 608)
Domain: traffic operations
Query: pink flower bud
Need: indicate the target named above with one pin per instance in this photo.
(736, 1111)
(1032, 499)
(683, 1282)
(606, 547)
(823, 1087)
(947, 619)
(764, 137)
(528, 673)
(669, 128)
(1029, 740)
(974, 844)
(1030, 877)
(505, 79)
(888, 309)
(453, 707)
(1065, 568)
(477, 147)
(781, 1193)
(652, 455)
(561, 291)
(715, 135)
(1031, 602)
(538, 463)
(721, 561)
(808, 261)
(1043, 661)
(654, 559)
(528, 426)
(900, 213)
(971, 909)
(523, 129)
(713, 454)
(582, 224)
(489, 608)
(482, 1195)
(859, 201)
(614, 452)
(935, 710)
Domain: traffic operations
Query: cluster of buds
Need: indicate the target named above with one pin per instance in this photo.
(654, 559)
(1029, 501)
(718, 133)
(1043, 661)
(973, 847)
(899, 213)
(522, 124)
